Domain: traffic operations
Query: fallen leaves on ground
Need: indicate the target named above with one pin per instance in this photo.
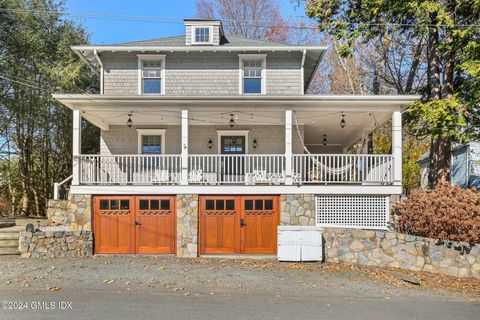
(426, 279)
(53, 289)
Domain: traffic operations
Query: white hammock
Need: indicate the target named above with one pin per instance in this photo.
(337, 171)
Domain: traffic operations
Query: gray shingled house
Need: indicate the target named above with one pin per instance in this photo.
(209, 142)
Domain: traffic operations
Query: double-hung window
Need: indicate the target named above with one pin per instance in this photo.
(252, 74)
(151, 78)
(151, 141)
(151, 144)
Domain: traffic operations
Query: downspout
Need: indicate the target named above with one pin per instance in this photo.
(95, 53)
(303, 74)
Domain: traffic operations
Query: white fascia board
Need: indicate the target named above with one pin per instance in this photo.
(296, 98)
(200, 22)
(228, 190)
(82, 49)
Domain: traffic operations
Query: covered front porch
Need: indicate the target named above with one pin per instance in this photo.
(236, 141)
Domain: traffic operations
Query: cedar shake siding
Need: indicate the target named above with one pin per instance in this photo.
(202, 73)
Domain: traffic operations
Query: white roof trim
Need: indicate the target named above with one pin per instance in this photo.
(375, 98)
(197, 48)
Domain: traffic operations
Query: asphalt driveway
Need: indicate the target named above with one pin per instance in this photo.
(144, 287)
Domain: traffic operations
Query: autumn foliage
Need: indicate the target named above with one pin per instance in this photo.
(5, 206)
(443, 213)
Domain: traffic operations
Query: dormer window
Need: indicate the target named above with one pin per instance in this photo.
(252, 73)
(202, 35)
(151, 76)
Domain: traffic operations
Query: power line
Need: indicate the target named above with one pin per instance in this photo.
(33, 84)
(6, 77)
(252, 24)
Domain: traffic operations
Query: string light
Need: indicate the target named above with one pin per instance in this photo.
(343, 123)
(130, 121)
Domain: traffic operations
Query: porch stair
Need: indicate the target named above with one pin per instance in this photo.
(9, 240)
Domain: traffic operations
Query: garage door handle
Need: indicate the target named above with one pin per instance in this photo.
(242, 223)
(137, 223)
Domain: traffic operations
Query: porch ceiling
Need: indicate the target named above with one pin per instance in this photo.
(316, 115)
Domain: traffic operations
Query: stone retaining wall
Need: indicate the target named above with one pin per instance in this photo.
(396, 250)
(76, 212)
(53, 244)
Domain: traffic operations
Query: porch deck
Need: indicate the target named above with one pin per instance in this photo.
(244, 169)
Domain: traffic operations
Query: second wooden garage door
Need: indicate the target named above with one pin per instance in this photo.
(134, 224)
(238, 224)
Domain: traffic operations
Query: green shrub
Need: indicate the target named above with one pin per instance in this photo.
(443, 213)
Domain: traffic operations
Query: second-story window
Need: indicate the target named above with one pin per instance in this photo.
(252, 76)
(252, 73)
(151, 74)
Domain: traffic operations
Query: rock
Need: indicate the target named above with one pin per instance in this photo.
(357, 245)
(404, 277)
(25, 255)
(304, 221)
(393, 264)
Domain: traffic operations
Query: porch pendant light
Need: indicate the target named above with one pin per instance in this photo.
(232, 121)
(324, 140)
(130, 121)
(343, 123)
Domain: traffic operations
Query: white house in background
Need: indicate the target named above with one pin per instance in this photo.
(208, 142)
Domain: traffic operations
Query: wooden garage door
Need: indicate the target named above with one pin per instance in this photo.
(238, 224)
(134, 224)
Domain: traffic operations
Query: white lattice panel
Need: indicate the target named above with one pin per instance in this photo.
(365, 212)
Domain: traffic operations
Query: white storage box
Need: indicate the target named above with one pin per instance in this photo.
(300, 243)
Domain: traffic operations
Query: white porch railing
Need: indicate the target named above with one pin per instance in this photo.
(130, 169)
(235, 169)
(342, 168)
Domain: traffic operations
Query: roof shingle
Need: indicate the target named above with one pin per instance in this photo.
(178, 41)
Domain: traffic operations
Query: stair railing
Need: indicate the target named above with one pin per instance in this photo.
(57, 185)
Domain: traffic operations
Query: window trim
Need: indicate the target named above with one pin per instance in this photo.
(228, 133)
(151, 132)
(151, 57)
(210, 38)
(243, 57)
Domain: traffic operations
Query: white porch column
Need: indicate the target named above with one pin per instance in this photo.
(397, 147)
(288, 147)
(184, 158)
(77, 146)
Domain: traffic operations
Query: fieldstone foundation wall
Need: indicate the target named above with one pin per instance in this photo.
(297, 209)
(396, 250)
(187, 225)
(76, 212)
(54, 244)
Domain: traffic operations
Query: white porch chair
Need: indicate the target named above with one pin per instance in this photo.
(195, 176)
(161, 176)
